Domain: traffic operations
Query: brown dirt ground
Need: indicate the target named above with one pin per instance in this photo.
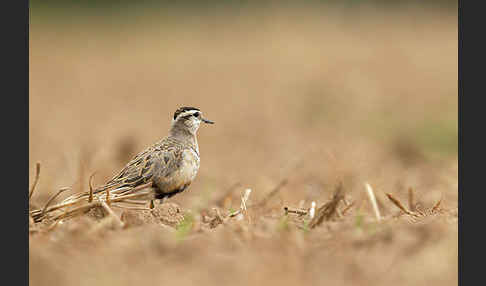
(314, 97)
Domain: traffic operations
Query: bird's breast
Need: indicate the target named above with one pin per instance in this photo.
(190, 164)
(184, 175)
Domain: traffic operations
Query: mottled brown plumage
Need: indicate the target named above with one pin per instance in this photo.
(171, 164)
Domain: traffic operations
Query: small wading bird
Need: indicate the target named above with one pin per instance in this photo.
(171, 164)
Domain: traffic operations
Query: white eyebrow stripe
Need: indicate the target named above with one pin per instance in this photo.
(188, 112)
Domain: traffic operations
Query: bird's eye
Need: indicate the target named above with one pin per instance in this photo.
(196, 114)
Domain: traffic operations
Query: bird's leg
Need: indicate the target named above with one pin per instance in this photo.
(163, 200)
(159, 195)
(152, 202)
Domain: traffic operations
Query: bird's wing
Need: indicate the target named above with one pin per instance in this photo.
(136, 172)
(155, 161)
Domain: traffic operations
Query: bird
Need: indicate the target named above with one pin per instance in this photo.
(171, 164)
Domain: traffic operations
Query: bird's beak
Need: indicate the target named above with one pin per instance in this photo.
(207, 121)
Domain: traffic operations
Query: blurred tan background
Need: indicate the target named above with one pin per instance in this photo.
(316, 92)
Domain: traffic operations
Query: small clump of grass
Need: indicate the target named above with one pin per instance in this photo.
(305, 226)
(328, 210)
(184, 227)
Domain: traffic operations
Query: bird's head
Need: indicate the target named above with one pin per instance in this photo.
(188, 119)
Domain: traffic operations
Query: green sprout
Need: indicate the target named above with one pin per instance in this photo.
(184, 227)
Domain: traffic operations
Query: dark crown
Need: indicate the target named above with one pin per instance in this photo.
(184, 109)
